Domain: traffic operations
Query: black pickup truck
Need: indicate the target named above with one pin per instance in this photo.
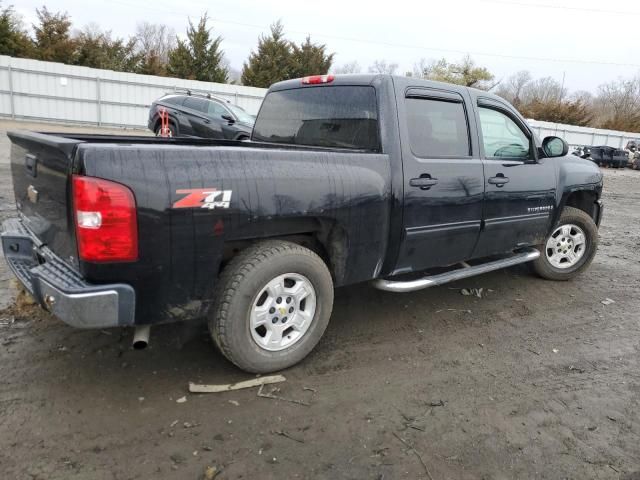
(399, 181)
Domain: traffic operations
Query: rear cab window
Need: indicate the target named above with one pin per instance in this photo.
(335, 116)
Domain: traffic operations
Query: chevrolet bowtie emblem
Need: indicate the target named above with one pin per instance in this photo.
(282, 310)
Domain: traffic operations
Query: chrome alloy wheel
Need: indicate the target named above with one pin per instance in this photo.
(282, 312)
(566, 246)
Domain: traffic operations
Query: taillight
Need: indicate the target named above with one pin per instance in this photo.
(105, 219)
(318, 79)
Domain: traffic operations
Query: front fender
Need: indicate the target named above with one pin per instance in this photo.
(577, 175)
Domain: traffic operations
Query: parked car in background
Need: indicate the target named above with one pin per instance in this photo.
(204, 116)
(609, 156)
(582, 151)
(633, 151)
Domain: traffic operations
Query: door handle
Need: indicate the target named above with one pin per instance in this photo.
(499, 180)
(425, 182)
(206, 120)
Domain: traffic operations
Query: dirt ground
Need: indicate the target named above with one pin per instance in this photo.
(535, 379)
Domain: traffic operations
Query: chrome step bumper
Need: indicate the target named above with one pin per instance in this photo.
(59, 288)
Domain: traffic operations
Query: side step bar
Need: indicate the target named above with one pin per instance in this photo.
(426, 282)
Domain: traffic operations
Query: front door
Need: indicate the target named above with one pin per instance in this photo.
(443, 178)
(520, 188)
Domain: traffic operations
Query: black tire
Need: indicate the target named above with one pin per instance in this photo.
(172, 130)
(242, 280)
(570, 215)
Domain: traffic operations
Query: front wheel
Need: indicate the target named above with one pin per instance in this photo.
(272, 306)
(570, 248)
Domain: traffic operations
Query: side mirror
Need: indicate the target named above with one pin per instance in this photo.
(554, 147)
(229, 118)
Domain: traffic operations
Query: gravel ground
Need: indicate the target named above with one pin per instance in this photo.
(535, 379)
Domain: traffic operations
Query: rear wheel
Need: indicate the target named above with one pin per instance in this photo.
(272, 306)
(171, 132)
(570, 248)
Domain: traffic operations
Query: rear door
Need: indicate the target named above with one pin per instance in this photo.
(197, 110)
(520, 188)
(443, 178)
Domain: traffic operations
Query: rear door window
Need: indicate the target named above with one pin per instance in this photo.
(196, 103)
(437, 128)
(336, 116)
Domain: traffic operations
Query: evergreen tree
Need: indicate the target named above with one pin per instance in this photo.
(53, 40)
(96, 49)
(310, 59)
(14, 40)
(199, 57)
(272, 62)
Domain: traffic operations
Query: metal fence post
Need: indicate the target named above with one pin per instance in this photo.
(99, 104)
(13, 108)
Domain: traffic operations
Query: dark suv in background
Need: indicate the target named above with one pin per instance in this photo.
(195, 115)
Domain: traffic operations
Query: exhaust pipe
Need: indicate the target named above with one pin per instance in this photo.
(141, 337)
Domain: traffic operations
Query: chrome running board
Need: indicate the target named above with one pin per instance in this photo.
(468, 271)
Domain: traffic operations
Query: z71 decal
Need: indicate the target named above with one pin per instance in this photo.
(203, 198)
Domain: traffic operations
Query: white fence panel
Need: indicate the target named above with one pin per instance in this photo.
(583, 135)
(31, 89)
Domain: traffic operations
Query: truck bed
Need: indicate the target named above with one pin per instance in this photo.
(274, 190)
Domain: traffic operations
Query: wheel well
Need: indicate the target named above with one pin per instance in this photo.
(328, 242)
(171, 122)
(583, 200)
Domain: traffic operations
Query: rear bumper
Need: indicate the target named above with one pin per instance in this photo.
(59, 288)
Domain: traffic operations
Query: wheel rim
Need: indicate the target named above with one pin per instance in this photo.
(282, 312)
(169, 132)
(566, 246)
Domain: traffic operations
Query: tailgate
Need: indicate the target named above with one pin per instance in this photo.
(40, 167)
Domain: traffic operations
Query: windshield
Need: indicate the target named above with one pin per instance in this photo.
(241, 115)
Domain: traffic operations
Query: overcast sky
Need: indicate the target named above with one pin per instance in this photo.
(588, 41)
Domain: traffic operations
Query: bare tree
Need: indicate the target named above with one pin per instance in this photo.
(154, 42)
(381, 66)
(351, 67)
(513, 87)
(618, 104)
(543, 90)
